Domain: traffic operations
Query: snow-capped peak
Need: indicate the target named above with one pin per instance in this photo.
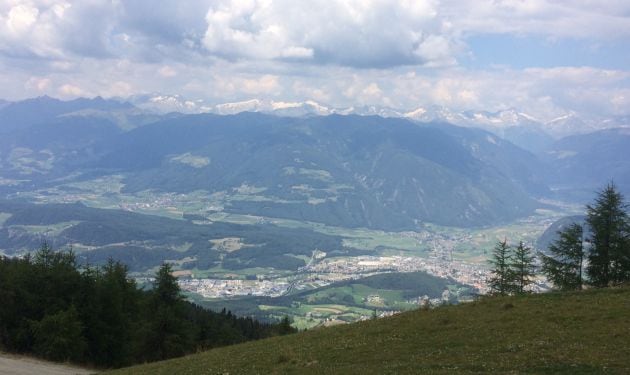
(496, 122)
(162, 103)
(416, 113)
(528, 117)
(252, 105)
(295, 109)
(284, 105)
(562, 118)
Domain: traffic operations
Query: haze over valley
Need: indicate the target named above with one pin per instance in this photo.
(261, 209)
(325, 161)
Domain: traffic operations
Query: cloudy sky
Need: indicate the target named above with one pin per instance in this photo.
(544, 57)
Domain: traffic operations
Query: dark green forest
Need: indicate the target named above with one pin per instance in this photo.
(98, 316)
(111, 231)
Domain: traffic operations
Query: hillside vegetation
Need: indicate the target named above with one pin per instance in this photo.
(143, 242)
(98, 316)
(574, 333)
(348, 171)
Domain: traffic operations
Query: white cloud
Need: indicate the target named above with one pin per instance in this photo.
(21, 18)
(361, 33)
(308, 90)
(572, 19)
(266, 84)
(579, 75)
(71, 91)
(38, 83)
(167, 71)
(120, 89)
(227, 86)
(355, 33)
(372, 91)
(401, 53)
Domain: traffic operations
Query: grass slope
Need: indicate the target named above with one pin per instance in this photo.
(573, 333)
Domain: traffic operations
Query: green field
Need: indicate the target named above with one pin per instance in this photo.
(584, 332)
(229, 254)
(4, 216)
(464, 244)
(221, 273)
(345, 301)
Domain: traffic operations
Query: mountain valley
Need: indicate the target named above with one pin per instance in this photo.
(271, 206)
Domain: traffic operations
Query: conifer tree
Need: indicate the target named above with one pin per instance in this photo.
(522, 268)
(169, 333)
(59, 336)
(501, 281)
(99, 316)
(564, 266)
(609, 253)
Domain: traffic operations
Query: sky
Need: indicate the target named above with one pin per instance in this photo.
(546, 58)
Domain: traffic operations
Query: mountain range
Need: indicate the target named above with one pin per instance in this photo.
(508, 123)
(386, 172)
(497, 122)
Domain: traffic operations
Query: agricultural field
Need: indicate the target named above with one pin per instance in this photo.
(204, 240)
(350, 300)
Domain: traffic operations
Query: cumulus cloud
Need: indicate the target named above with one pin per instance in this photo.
(560, 19)
(21, 18)
(119, 89)
(40, 84)
(543, 92)
(354, 33)
(58, 29)
(404, 53)
(267, 85)
(70, 90)
(167, 71)
(360, 33)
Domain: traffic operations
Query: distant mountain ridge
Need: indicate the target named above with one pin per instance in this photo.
(590, 160)
(344, 170)
(383, 171)
(14, 115)
(521, 128)
(516, 126)
(341, 170)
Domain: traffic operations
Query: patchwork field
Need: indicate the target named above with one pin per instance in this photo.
(203, 239)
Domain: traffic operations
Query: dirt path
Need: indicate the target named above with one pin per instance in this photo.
(17, 365)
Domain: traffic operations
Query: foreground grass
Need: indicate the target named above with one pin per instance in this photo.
(574, 333)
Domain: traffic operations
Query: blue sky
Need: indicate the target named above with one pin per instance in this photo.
(520, 52)
(545, 57)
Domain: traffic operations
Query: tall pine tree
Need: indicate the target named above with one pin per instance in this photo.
(609, 253)
(564, 266)
(169, 332)
(502, 276)
(522, 268)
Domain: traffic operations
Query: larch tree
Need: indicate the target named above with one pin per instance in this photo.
(609, 250)
(563, 267)
(522, 268)
(169, 331)
(500, 281)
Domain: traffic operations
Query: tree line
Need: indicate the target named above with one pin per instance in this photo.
(54, 309)
(597, 254)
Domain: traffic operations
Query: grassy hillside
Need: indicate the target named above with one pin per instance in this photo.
(573, 333)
